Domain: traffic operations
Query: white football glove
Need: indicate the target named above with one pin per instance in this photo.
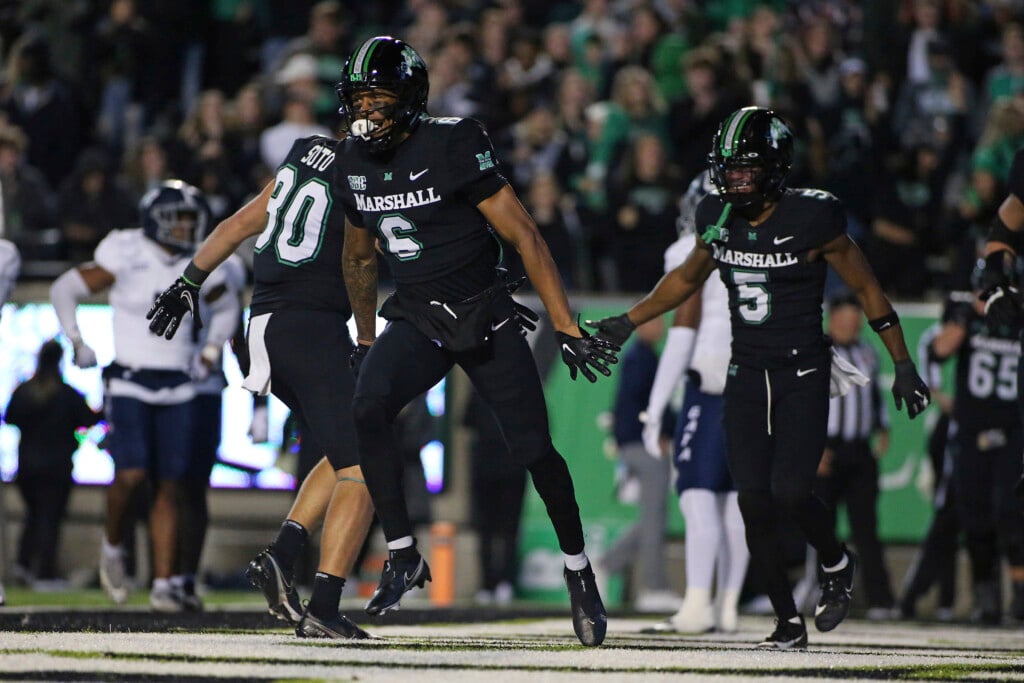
(652, 437)
(259, 429)
(84, 356)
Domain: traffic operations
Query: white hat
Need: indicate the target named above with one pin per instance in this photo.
(298, 67)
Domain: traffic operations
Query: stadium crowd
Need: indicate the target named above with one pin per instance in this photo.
(602, 112)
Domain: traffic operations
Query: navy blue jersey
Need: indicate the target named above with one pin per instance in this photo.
(986, 370)
(420, 200)
(297, 264)
(775, 291)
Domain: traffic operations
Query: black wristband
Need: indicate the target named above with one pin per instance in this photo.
(885, 322)
(194, 275)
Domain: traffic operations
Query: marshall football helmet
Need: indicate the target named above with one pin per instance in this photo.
(175, 215)
(758, 139)
(384, 63)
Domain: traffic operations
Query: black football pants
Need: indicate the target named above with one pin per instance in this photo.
(403, 363)
(775, 427)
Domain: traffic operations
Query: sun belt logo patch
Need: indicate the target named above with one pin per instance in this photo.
(485, 160)
(357, 182)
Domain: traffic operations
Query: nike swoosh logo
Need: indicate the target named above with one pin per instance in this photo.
(409, 578)
(414, 176)
(498, 326)
(782, 240)
(819, 609)
(801, 373)
(568, 349)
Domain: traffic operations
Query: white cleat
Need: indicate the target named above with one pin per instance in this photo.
(697, 613)
(113, 576)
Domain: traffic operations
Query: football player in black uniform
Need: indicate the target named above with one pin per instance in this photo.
(429, 191)
(771, 246)
(298, 345)
(1001, 266)
(988, 441)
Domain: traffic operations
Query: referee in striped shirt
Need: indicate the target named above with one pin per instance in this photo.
(848, 471)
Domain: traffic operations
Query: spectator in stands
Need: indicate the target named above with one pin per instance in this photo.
(907, 223)
(1005, 79)
(326, 41)
(643, 193)
(28, 201)
(145, 166)
(925, 28)
(991, 159)
(934, 108)
(535, 144)
(204, 136)
(121, 54)
(47, 412)
(695, 118)
(298, 121)
(247, 120)
(43, 107)
(91, 203)
(844, 145)
(526, 78)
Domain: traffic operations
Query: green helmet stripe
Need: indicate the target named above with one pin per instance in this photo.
(360, 61)
(733, 127)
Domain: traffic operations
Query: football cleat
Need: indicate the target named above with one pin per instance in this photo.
(589, 619)
(338, 627)
(399, 576)
(186, 589)
(836, 588)
(282, 599)
(113, 575)
(165, 598)
(786, 636)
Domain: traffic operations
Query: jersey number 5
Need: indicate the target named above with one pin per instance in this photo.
(296, 217)
(752, 295)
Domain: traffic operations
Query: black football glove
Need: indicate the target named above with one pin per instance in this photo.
(583, 353)
(1002, 299)
(615, 329)
(908, 386)
(355, 361)
(170, 308)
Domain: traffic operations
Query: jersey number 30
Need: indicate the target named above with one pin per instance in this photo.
(296, 218)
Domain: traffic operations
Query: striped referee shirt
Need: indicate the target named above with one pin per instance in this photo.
(857, 415)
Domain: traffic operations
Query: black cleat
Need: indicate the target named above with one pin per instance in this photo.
(338, 627)
(589, 619)
(836, 587)
(282, 599)
(399, 576)
(786, 636)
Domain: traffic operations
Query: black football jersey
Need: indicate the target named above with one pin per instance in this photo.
(775, 293)
(420, 200)
(297, 260)
(986, 369)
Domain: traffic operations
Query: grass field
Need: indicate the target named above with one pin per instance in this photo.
(78, 637)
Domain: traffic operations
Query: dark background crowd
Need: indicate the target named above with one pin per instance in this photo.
(601, 111)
